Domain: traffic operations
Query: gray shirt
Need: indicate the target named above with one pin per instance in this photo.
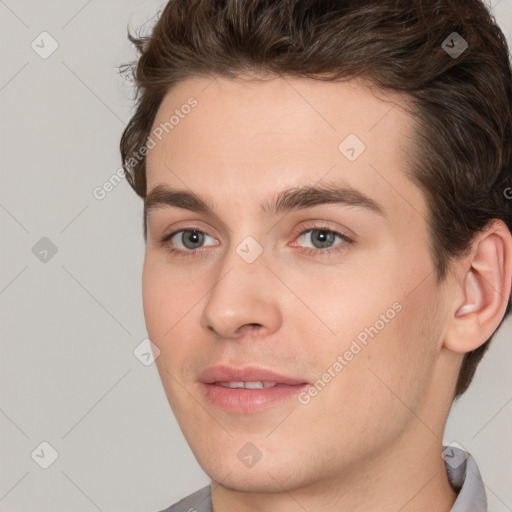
(461, 469)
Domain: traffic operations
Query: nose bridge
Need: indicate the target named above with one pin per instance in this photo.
(242, 293)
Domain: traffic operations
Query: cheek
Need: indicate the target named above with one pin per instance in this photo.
(385, 378)
(164, 299)
(167, 302)
(168, 291)
(172, 299)
(400, 359)
(387, 330)
(154, 298)
(339, 305)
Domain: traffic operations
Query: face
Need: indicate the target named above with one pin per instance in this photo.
(332, 290)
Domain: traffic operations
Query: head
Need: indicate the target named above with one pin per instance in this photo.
(376, 98)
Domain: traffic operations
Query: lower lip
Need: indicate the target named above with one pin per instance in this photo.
(244, 400)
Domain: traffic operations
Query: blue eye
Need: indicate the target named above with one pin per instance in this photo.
(190, 239)
(190, 242)
(322, 238)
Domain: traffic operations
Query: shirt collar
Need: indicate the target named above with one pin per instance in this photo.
(465, 479)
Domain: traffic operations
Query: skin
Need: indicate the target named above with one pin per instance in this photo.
(372, 438)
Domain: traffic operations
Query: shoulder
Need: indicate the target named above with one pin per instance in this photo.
(199, 501)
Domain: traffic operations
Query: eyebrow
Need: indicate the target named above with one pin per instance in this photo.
(293, 198)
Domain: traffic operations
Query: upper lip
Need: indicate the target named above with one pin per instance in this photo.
(223, 373)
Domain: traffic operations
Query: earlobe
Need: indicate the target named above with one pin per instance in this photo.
(484, 285)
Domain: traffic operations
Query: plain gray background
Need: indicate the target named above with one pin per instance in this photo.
(71, 323)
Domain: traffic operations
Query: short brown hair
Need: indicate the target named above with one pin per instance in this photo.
(462, 157)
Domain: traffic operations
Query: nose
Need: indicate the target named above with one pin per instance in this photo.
(242, 299)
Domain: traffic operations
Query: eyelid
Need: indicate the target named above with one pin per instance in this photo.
(190, 225)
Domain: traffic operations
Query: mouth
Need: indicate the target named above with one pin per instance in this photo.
(249, 389)
(257, 384)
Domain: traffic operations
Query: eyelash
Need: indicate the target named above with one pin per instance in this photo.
(198, 252)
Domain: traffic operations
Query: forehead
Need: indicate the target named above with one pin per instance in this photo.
(252, 135)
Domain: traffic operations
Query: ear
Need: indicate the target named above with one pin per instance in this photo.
(484, 280)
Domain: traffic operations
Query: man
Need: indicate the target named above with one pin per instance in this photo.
(327, 212)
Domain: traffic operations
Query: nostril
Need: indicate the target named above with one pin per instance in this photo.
(253, 326)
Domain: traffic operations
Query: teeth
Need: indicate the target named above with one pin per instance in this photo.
(248, 385)
(254, 385)
(231, 384)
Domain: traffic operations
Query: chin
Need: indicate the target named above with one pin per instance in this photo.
(261, 478)
(260, 483)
